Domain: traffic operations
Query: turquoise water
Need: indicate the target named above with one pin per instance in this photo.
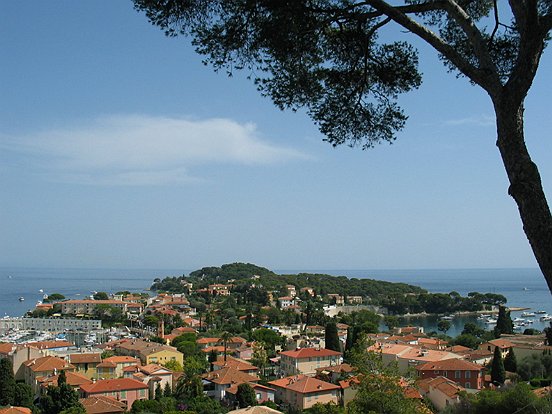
(522, 287)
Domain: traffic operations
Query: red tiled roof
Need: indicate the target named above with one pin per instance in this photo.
(73, 378)
(501, 343)
(453, 364)
(47, 363)
(113, 385)
(85, 358)
(229, 375)
(310, 353)
(101, 404)
(303, 384)
(51, 344)
(122, 359)
(235, 363)
(6, 348)
(15, 410)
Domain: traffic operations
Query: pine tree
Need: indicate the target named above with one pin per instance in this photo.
(331, 337)
(7, 382)
(510, 362)
(349, 342)
(498, 373)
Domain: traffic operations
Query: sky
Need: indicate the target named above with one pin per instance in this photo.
(120, 149)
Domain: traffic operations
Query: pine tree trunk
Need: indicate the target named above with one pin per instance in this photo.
(525, 182)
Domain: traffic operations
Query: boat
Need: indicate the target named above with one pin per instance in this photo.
(447, 318)
(491, 321)
(518, 320)
(525, 288)
(540, 312)
(528, 314)
(546, 317)
(40, 290)
(21, 299)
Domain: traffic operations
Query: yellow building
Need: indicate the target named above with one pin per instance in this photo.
(86, 364)
(149, 352)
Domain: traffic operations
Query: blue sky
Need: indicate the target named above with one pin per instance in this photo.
(118, 148)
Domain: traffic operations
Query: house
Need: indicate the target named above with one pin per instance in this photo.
(336, 298)
(149, 352)
(315, 330)
(126, 390)
(18, 354)
(262, 393)
(74, 379)
(86, 363)
(219, 290)
(44, 367)
(408, 356)
(307, 290)
(51, 347)
(151, 374)
(300, 392)
(408, 330)
(465, 373)
(441, 391)
(100, 404)
(307, 360)
(334, 373)
(106, 370)
(235, 363)
(286, 301)
(290, 291)
(354, 300)
(503, 344)
(348, 390)
(119, 363)
(433, 343)
(217, 382)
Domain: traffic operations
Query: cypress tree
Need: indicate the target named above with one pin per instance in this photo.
(7, 382)
(498, 373)
(349, 342)
(167, 392)
(504, 324)
(331, 337)
(245, 396)
(510, 362)
(158, 391)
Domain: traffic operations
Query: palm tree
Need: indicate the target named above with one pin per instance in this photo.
(224, 338)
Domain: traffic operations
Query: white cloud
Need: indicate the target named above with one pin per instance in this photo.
(144, 150)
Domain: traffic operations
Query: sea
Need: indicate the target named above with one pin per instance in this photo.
(524, 288)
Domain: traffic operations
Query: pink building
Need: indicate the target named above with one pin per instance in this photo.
(126, 390)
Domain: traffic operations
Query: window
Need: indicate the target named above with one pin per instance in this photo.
(123, 394)
(142, 393)
(457, 374)
(467, 374)
(445, 373)
(468, 385)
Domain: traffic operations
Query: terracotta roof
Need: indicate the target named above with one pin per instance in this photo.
(100, 404)
(131, 368)
(152, 368)
(113, 385)
(543, 392)
(107, 364)
(258, 409)
(229, 375)
(85, 358)
(310, 353)
(6, 348)
(349, 382)
(415, 353)
(207, 340)
(236, 363)
(122, 359)
(459, 349)
(47, 363)
(337, 368)
(446, 386)
(411, 392)
(233, 389)
(73, 378)
(15, 410)
(303, 384)
(453, 364)
(501, 343)
(51, 344)
(285, 298)
(430, 341)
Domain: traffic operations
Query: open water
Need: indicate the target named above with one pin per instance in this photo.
(522, 287)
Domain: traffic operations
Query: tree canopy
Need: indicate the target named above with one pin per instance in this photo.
(328, 57)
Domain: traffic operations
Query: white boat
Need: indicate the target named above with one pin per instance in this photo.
(40, 290)
(491, 321)
(518, 320)
(21, 299)
(546, 318)
(541, 312)
(447, 318)
(528, 314)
